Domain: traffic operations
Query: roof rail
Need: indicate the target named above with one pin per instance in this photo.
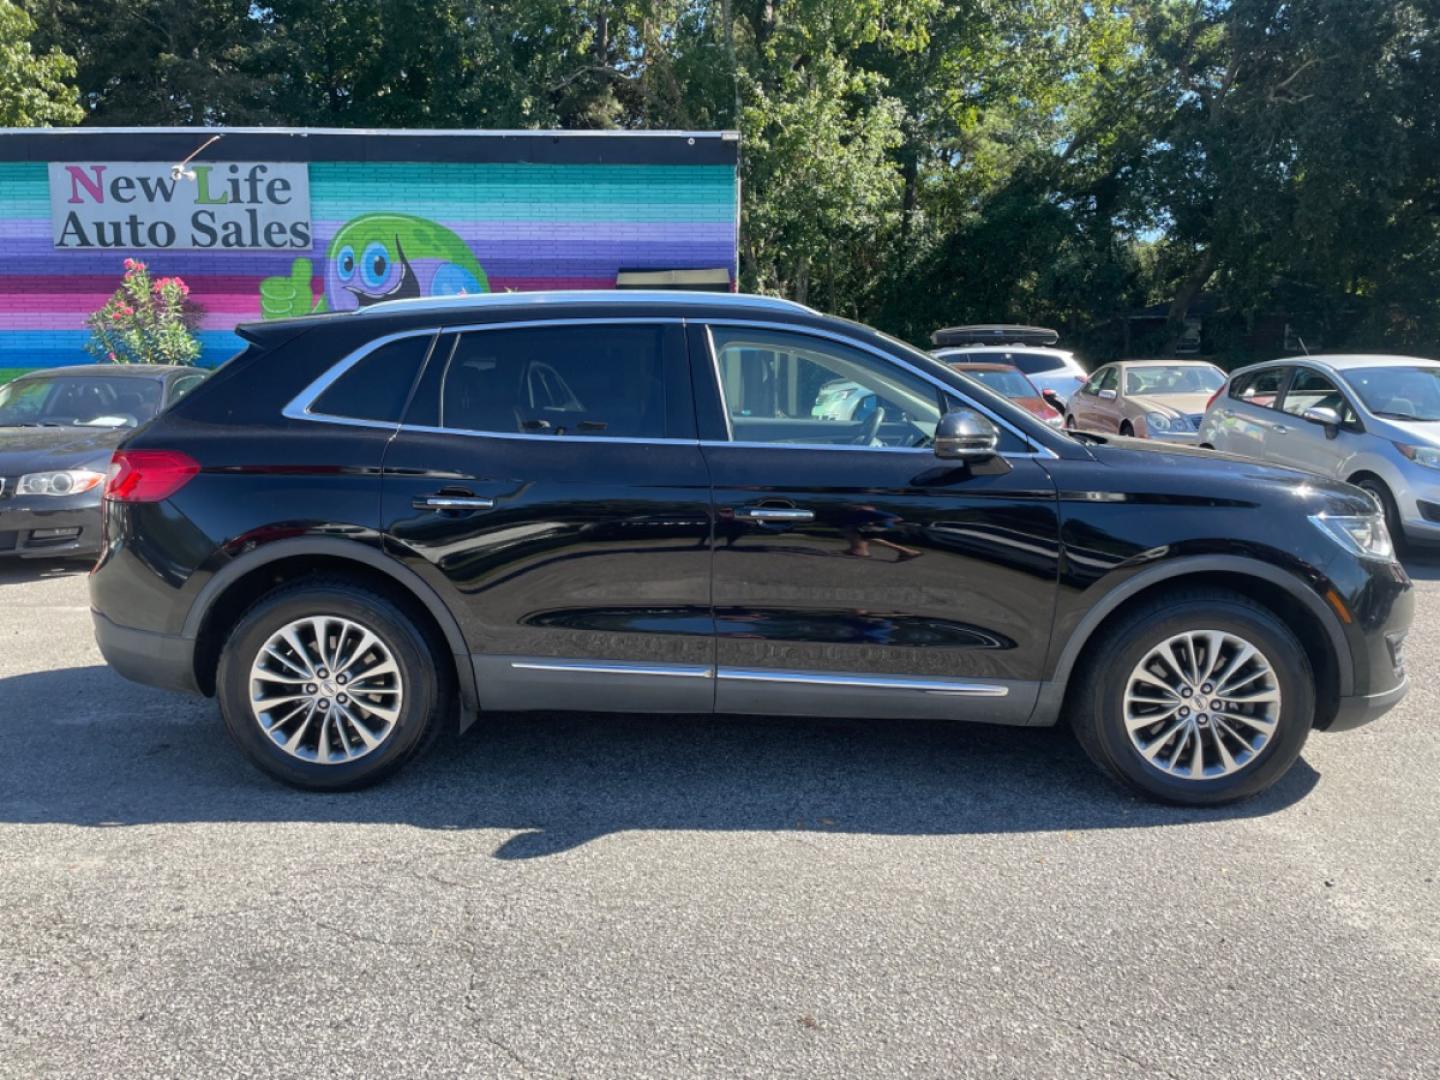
(994, 334)
(478, 301)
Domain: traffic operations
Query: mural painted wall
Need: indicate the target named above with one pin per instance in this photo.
(380, 230)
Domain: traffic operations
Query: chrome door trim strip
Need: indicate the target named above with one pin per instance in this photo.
(616, 667)
(867, 682)
(1038, 449)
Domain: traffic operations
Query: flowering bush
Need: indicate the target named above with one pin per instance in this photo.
(146, 321)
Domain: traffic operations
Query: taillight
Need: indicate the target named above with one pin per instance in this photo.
(139, 476)
(1215, 395)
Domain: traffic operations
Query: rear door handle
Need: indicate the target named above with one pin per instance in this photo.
(774, 513)
(1280, 429)
(452, 502)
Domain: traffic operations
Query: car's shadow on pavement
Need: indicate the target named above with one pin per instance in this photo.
(22, 571)
(1423, 566)
(82, 747)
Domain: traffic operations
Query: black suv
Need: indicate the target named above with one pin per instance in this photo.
(369, 525)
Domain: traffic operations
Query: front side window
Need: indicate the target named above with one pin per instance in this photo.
(377, 385)
(1311, 390)
(590, 380)
(1399, 393)
(781, 387)
(80, 401)
(1260, 388)
(1105, 379)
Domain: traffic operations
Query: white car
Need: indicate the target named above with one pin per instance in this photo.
(1371, 420)
(1053, 371)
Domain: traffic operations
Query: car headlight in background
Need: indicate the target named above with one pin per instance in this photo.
(59, 483)
(1421, 455)
(1155, 421)
(1360, 534)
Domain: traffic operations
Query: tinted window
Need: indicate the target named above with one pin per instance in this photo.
(1010, 383)
(1034, 363)
(1259, 387)
(80, 400)
(563, 380)
(1311, 390)
(376, 387)
(183, 385)
(794, 388)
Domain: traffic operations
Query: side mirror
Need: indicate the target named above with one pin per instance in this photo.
(1055, 400)
(1108, 395)
(1320, 414)
(965, 435)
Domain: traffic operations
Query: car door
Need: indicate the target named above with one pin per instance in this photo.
(1249, 410)
(1304, 444)
(1091, 408)
(854, 572)
(548, 484)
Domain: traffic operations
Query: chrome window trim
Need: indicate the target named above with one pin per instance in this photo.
(1036, 449)
(869, 682)
(301, 407)
(616, 667)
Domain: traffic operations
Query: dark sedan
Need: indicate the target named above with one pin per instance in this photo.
(58, 429)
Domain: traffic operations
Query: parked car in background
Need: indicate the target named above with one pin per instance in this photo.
(1146, 399)
(372, 525)
(58, 428)
(1009, 380)
(1371, 420)
(1056, 373)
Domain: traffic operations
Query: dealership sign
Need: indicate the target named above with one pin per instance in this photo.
(226, 206)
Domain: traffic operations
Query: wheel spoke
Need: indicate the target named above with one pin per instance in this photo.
(293, 640)
(1154, 746)
(299, 733)
(366, 736)
(276, 654)
(1259, 723)
(1135, 723)
(1240, 659)
(367, 642)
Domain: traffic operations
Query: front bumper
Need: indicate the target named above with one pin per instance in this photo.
(28, 531)
(160, 660)
(1360, 709)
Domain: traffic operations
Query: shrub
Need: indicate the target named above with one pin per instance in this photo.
(145, 321)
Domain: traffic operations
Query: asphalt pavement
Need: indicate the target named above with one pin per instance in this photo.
(617, 896)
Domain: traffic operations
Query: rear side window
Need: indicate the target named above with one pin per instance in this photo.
(563, 380)
(1035, 363)
(1259, 387)
(377, 386)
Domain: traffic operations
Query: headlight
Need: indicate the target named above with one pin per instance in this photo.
(1421, 455)
(63, 482)
(1155, 421)
(1364, 535)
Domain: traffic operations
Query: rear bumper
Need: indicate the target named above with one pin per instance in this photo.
(1359, 710)
(23, 532)
(153, 659)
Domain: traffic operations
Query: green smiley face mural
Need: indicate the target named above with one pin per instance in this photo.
(378, 257)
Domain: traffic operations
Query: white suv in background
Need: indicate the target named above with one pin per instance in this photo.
(1371, 420)
(1050, 369)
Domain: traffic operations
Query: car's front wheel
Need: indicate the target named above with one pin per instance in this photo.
(329, 686)
(1200, 698)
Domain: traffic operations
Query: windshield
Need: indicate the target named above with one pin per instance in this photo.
(1010, 383)
(79, 400)
(1173, 379)
(1399, 393)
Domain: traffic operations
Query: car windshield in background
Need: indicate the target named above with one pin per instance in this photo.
(79, 401)
(1176, 379)
(1399, 393)
(1010, 383)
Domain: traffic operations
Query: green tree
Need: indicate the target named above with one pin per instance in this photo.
(35, 88)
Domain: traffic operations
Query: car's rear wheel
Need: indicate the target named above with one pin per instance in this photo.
(1127, 429)
(1200, 698)
(329, 686)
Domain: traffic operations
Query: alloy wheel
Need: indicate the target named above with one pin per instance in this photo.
(1202, 705)
(326, 689)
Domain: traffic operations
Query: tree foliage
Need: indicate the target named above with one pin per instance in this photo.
(35, 88)
(909, 162)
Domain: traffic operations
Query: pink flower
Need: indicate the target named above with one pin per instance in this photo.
(111, 356)
(115, 314)
(130, 264)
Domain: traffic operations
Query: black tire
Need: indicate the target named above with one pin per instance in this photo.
(424, 704)
(1127, 429)
(1069, 422)
(1097, 697)
(1377, 488)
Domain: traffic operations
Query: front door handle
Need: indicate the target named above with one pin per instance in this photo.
(774, 513)
(1280, 429)
(452, 502)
